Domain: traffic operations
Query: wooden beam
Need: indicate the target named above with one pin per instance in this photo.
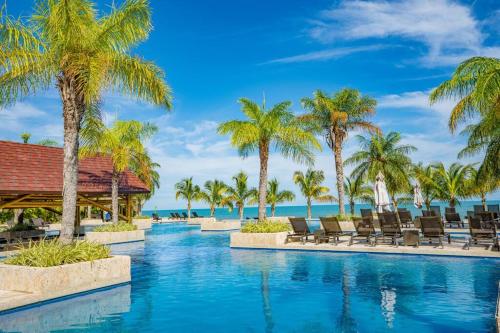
(98, 205)
(11, 202)
(129, 208)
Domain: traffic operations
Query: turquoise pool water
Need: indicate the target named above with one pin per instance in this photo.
(186, 281)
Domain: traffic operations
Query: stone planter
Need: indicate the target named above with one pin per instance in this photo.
(220, 225)
(115, 237)
(258, 240)
(282, 219)
(36, 284)
(199, 220)
(143, 223)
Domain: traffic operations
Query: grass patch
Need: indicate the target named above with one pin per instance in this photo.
(53, 253)
(116, 227)
(265, 227)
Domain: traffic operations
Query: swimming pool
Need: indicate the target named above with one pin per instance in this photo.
(186, 281)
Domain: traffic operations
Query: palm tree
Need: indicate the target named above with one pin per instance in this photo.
(216, 195)
(188, 191)
(480, 185)
(25, 137)
(48, 143)
(310, 185)
(275, 196)
(123, 143)
(424, 174)
(241, 194)
(264, 128)
(335, 116)
(452, 183)
(356, 191)
(476, 84)
(384, 154)
(66, 43)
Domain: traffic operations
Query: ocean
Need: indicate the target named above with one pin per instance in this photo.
(317, 210)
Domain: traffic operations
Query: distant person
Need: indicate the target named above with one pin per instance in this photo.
(107, 217)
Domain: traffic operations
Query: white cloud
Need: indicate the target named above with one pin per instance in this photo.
(16, 118)
(326, 54)
(447, 28)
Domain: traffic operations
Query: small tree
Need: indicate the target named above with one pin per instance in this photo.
(310, 185)
(355, 190)
(216, 195)
(275, 196)
(25, 137)
(185, 189)
(241, 194)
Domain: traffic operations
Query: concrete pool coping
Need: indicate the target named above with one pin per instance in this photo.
(277, 242)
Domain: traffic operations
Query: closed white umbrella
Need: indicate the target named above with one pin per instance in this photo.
(418, 200)
(382, 202)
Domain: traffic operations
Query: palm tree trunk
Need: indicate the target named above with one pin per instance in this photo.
(89, 212)
(339, 169)
(240, 212)
(264, 158)
(273, 210)
(189, 209)
(212, 210)
(483, 200)
(73, 108)
(351, 206)
(309, 209)
(115, 180)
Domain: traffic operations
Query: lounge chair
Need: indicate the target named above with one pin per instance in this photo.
(366, 212)
(436, 210)
(450, 210)
(494, 209)
(428, 213)
(432, 228)
(184, 215)
(331, 230)
(172, 216)
(453, 218)
(364, 230)
(195, 215)
(389, 227)
(405, 218)
(39, 223)
(478, 209)
(156, 217)
(177, 216)
(482, 232)
(300, 230)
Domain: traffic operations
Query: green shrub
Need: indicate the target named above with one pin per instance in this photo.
(116, 227)
(265, 226)
(142, 217)
(53, 253)
(21, 227)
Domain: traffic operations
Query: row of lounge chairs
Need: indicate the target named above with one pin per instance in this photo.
(431, 230)
(176, 216)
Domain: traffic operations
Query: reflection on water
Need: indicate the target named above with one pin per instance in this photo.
(185, 281)
(92, 308)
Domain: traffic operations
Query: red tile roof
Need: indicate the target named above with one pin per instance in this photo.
(28, 168)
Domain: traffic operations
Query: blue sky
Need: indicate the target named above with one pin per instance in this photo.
(215, 52)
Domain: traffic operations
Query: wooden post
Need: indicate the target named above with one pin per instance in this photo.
(129, 208)
(77, 221)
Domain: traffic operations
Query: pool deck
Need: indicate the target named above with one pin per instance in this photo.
(454, 249)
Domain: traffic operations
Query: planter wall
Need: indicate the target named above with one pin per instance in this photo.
(91, 222)
(143, 223)
(44, 283)
(199, 220)
(115, 237)
(220, 225)
(282, 219)
(258, 240)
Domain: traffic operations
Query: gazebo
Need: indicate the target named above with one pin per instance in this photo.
(31, 176)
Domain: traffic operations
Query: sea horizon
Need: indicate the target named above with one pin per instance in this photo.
(317, 210)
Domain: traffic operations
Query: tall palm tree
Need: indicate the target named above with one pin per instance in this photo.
(384, 154)
(452, 183)
(123, 142)
(241, 194)
(264, 129)
(67, 43)
(356, 191)
(481, 185)
(216, 195)
(476, 84)
(334, 117)
(424, 174)
(310, 185)
(188, 191)
(275, 196)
